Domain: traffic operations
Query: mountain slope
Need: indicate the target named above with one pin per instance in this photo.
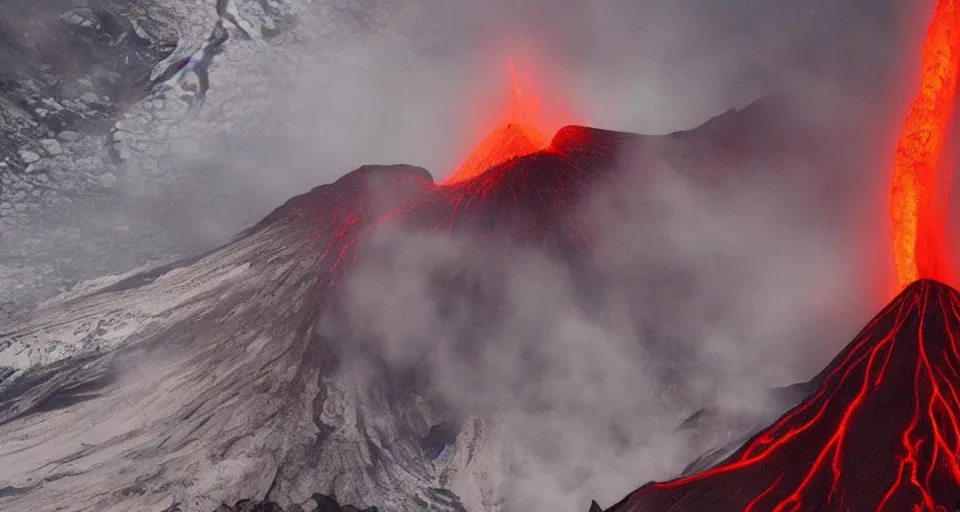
(238, 374)
(880, 431)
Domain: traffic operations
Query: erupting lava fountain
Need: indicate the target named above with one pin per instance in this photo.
(518, 134)
(880, 429)
(917, 201)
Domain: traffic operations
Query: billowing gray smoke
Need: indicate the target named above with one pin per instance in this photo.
(712, 282)
(701, 301)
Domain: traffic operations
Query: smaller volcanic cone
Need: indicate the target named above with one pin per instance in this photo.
(880, 432)
(516, 136)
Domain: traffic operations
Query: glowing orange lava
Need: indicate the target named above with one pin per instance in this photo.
(879, 431)
(517, 135)
(917, 204)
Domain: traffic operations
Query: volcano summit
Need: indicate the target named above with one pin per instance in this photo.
(247, 372)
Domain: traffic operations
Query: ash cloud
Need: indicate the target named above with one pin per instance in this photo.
(762, 295)
(704, 302)
(768, 278)
(765, 280)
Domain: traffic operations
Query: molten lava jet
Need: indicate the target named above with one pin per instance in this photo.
(881, 431)
(916, 204)
(517, 135)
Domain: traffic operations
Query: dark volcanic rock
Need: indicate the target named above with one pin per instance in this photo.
(323, 503)
(328, 504)
(879, 430)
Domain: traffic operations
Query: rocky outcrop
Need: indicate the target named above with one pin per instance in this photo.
(316, 503)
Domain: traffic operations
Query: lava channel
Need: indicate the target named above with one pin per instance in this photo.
(881, 431)
(917, 204)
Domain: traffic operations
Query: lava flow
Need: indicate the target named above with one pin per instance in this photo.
(517, 135)
(881, 428)
(917, 205)
(882, 431)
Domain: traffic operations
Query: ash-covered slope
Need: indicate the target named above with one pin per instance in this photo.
(232, 375)
(223, 378)
(880, 430)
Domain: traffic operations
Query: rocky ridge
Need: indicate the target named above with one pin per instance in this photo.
(316, 503)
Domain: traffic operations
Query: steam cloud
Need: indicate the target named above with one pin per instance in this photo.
(705, 303)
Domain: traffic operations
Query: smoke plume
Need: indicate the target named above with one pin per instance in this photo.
(708, 293)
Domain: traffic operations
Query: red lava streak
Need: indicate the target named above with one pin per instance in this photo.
(517, 135)
(916, 201)
(881, 431)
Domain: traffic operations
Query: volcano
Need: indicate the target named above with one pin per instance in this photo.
(879, 431)
(236, 374)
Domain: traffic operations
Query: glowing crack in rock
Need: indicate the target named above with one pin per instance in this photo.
(880, 431)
